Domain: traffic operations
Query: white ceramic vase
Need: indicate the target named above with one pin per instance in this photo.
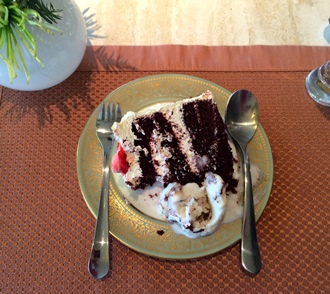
(60, 53)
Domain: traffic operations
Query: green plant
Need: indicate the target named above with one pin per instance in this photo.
(16, 18)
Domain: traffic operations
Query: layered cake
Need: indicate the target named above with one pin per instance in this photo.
(184, 146)
(177, 142)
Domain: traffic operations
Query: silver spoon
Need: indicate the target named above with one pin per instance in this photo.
(241, 118)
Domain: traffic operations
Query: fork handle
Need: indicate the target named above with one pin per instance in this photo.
(99, 263)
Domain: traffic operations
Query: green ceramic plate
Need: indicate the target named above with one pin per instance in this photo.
(133, 228)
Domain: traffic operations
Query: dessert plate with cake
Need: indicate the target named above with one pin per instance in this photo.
(176, 184)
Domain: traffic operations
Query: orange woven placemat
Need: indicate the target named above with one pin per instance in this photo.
(46, 228)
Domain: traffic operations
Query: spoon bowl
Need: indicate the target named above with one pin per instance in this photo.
(242, 115)
(242, 118)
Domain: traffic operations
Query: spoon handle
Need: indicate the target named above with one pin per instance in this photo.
(250, 254)
(99, 263)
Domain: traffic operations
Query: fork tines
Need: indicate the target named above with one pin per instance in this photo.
(109, 112)
(118, 113)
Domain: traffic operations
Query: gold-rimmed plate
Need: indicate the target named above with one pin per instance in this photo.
(137, 230)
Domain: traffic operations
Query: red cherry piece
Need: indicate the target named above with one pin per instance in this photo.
(119, 163)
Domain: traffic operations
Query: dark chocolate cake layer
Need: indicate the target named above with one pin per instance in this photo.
(209, 137)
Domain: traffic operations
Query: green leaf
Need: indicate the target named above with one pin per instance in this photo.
(14, 15)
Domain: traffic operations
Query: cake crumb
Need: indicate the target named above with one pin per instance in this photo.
(160, 232)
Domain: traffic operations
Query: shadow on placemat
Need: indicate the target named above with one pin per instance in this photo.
(324, 110)
(46, 105)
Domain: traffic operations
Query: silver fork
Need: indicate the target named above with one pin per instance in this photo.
(99, 261)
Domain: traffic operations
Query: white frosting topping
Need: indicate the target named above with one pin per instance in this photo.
(195, 211)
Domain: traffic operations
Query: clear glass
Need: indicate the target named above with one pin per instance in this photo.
(318, 84)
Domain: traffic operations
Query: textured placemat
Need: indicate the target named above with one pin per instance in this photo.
(46, 228)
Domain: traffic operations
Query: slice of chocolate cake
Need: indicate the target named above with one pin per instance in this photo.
(174, 143)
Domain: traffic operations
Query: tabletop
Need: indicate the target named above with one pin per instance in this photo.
(47, 227)
(192, 22)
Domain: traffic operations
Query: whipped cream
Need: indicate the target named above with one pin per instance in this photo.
(193, 210)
